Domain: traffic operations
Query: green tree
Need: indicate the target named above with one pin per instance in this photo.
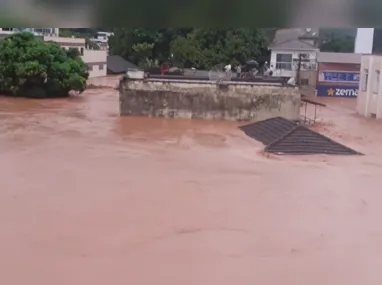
(338, 45)
(204, 48)
(29, 67)
(187, 47)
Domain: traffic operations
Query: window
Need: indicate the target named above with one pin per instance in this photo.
(82, 51)
(90, 67)
(376, 82)
(284, 61)
(365, 78)
(304, 81)
(101, 67)
(43, 30)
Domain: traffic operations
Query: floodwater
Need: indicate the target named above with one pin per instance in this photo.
(87, 197)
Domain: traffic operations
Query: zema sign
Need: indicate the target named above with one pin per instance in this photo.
(337, 91)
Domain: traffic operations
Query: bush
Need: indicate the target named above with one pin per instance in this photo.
(32, 68)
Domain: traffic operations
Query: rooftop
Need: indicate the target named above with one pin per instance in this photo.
(339, 57)
(298, 38)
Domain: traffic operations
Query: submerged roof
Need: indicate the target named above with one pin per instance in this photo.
(282, 136)
(117, 64)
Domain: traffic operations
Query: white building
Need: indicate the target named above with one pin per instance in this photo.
(369, 100)
(289, 45)
(364, 41)
(103, 37)
(102, 40)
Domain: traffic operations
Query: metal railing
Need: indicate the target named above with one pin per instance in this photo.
(292, 66)
(284, 65)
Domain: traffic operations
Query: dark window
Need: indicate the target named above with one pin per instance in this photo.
(280, 57)
(82, 51)
(284, 61)
(304, 81)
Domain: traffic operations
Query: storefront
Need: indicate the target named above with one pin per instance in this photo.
(338, 75)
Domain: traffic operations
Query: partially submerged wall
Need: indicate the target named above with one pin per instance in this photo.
(208, 100)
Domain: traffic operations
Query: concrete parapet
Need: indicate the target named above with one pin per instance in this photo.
(238, 101)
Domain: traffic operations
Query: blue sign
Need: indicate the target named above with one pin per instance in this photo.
(333, 76)
(337, 91)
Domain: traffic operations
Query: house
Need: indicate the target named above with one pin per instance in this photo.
(294, 49)
(96, 60)
(369, 100)
(338, 74)
(118, 65)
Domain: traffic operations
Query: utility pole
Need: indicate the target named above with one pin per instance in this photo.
(298, 69)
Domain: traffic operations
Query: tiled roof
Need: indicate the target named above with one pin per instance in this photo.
(282, 136)
(269, 130)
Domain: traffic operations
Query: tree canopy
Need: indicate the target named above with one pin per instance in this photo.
(32, 68)
(187, 47)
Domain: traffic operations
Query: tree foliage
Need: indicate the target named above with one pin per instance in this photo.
(337, 39)
(338, 45)
(200, 48)
(29, 67)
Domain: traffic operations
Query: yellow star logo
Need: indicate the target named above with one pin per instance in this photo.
(331, 92)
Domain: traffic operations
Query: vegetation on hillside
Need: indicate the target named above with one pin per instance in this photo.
(337, 40)
(32, 68)
(187, 47)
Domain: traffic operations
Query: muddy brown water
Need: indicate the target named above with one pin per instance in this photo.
(87, 197)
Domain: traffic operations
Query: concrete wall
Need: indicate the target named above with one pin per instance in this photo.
(369, 101)
(207, 100)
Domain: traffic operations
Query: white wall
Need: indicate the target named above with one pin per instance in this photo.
(95, 56)
(295, 56)
(75, 41)
(98, 70)
(369, 100)
(364, 41)
(97, 62)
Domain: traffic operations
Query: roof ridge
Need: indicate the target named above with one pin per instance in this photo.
(281, 138)
(316, 134)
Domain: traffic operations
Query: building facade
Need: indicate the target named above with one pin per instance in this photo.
(294, 50)
(96, 60)
(369, 101)
(338, 74)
